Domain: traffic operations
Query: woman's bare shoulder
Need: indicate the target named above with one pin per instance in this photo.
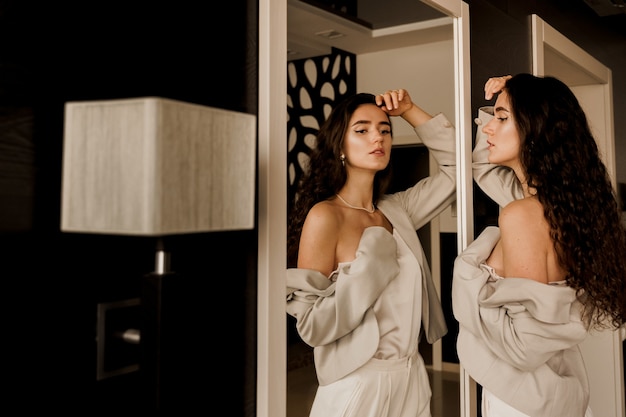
(525, 210)
(325, 215)
(319, 238)
(524, 219)
(525, 239)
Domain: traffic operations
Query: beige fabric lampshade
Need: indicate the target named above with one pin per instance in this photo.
(152, 166)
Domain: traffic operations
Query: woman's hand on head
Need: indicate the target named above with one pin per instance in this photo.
(394, 102)
(494, 85)
(399, 103)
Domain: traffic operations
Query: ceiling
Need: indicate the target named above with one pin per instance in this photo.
(607, 7)
(313, 29)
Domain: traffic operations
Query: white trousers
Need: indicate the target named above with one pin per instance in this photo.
(492, 406)
(380, 388)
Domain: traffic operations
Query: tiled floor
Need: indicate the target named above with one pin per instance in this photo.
(302, 383)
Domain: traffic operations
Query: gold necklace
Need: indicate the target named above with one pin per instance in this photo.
(357, 208)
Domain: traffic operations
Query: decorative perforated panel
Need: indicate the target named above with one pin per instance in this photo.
(313, 86)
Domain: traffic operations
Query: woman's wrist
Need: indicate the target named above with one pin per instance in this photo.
(416, 116)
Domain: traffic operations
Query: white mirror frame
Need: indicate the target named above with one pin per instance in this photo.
(271, 383)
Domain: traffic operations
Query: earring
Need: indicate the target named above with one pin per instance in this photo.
(343, 160)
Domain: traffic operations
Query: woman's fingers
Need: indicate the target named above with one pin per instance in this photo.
(391, 98)
(494, 85)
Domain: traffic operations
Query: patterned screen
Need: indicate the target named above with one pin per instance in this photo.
(313, 85)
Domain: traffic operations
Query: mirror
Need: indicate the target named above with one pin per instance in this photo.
(387, 46)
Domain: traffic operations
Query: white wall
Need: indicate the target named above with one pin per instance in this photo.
(426, 71)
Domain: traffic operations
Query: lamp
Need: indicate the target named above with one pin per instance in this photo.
(155, 167)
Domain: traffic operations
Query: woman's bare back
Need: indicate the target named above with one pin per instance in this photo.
(525, 248)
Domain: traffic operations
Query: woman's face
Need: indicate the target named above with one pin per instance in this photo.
(502, 136)
(367, 141)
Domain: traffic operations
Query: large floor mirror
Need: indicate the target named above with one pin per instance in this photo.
(422, 46)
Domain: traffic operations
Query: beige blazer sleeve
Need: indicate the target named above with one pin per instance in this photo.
(326, 311)
(498, 182)
(431, 195)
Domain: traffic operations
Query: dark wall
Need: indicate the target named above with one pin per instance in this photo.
(54, 52)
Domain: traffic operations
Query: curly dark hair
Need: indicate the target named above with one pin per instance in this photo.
(325, 174)
(561, 161)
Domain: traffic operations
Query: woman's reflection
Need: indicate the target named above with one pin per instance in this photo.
(359, 284)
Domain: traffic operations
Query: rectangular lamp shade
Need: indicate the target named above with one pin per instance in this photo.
(153, 167)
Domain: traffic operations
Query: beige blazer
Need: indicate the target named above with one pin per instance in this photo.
(336, 318)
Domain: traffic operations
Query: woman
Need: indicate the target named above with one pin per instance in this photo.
(526, 293)
(361, 288)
